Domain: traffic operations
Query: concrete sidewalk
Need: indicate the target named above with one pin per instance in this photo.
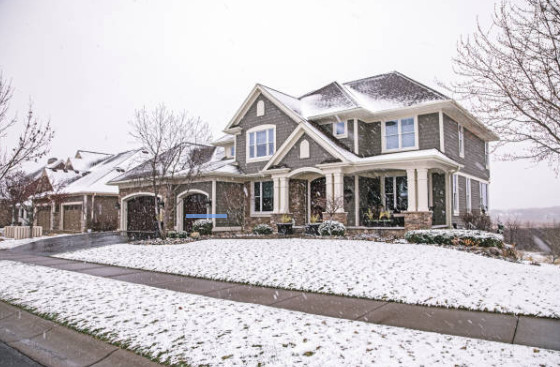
(46, 343)
(532, 331)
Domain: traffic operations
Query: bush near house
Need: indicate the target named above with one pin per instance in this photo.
(332, 228)
(203, 227)
(456, 237)
(262, 229)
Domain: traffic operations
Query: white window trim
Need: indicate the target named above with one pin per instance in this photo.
(343, 135)
(487, 154)
(468, 195)
(394, 194)
(455, 194)
(254, 130)
(383, 140)
(252, 204)
(461, 137)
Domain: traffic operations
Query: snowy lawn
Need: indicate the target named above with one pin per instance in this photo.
(417, 274)
(9, 243)
(196, 330)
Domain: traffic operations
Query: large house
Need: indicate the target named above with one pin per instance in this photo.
(384, 146)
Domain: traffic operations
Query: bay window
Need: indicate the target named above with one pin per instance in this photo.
(400, 134)
(396, 193)
(263, 196)
(261, 142)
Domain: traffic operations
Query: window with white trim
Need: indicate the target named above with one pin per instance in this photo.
(304, 149)
(260, 108)
(263, 196)
(396, 193)
(340, 129)
(400, 134)
(232, 151)
(456, 194)
(461, 141)
(484, 196)
(468, 199)
(261, 143)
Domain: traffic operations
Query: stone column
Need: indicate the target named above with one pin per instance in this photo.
(422, 189)
(411, 180)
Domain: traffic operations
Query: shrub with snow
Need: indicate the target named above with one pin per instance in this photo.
(332, 228)
(262, 229)
(203, 226)
(456, 237)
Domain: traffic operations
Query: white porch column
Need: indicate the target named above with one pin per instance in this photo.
(338, 184)
(328, 187)
(411, 181)
(276, 203)
(284, 195)
(422, 189)
(213, 198)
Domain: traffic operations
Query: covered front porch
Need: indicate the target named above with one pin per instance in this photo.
(407, 195)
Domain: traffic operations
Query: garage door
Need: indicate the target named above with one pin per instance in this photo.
(140, 214)
(72, 218)
(44, 217)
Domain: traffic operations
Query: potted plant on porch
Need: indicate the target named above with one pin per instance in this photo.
(286, 225)
(312, 227)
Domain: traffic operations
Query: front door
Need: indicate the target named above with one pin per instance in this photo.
(317, 196)
(438, 192)
(193, 204)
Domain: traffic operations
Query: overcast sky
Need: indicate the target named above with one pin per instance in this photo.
(87, 65)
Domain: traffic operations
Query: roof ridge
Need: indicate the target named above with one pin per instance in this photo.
(276, 90)
(348, 94)
(315, 90)
(370, 77)
(420, 84)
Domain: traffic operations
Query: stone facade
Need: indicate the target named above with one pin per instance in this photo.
(417, 220)
(339, 217)
(298, 201)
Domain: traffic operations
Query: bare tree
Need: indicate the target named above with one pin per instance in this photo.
(175, 143)
(511, 231)
(33, 141)
(510, 76)
(333, 205)
(14, 189)
(233, 200)
(551, 236)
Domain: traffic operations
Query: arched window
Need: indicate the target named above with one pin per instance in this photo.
(304, 149)
(260, 108)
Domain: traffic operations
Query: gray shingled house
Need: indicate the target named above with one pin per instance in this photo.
(384, 151)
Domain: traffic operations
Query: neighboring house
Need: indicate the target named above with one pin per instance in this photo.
(384, 143)
(78, 198)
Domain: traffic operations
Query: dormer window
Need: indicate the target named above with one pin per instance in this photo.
(261, 142)
(400, 134)
(260, 108)
(229, 151)
(340, 129)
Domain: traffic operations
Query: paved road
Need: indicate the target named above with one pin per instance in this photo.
(9, 357)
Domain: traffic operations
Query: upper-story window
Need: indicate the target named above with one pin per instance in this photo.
(261, 142)
(400, 134)
(230, 151)
(340, 129)
(260, 108)
(461, 141)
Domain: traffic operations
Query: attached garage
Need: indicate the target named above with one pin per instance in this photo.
(44, 217)
(72, 218)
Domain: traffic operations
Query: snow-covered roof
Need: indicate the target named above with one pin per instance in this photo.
(84, 160)
(224, 140)
(96, 179)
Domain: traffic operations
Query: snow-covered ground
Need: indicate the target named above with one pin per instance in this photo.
(417, 274)
(9, 243)
(199, 330)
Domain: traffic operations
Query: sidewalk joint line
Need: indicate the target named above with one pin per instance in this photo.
(285, 299)
(515, 331)
(102, 358)
(373, 309)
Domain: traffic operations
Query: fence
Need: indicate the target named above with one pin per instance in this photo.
(19, 232)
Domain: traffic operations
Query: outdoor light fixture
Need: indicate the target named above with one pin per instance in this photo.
(208, 202)
(118, 205)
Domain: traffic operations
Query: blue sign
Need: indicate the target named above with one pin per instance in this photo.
(206, 216)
